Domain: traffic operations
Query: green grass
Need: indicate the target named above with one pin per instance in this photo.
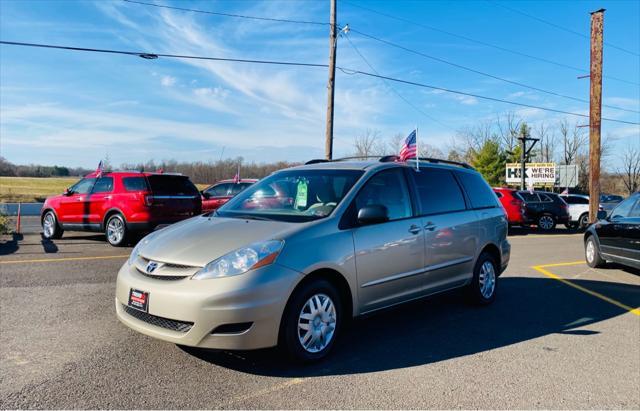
(34, 189)
(29, 189)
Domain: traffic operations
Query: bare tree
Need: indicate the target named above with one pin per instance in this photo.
(395, 142)
(573, 139)
(368, 144)
(630, 170)
(547, 143)
(508, 127)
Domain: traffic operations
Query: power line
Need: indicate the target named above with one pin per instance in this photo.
(549, 23)
(403, 98)
(241, 16)
(147, 55)
(484, 43)
(396, 46)
(460, 66)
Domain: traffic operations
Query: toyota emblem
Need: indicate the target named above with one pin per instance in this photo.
(151, 267)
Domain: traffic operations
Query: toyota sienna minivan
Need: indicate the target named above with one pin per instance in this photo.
(337, 240)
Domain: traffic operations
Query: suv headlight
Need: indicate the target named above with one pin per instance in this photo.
(241, 260)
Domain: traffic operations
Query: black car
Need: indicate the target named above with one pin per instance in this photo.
(616, 237)
(544, 209)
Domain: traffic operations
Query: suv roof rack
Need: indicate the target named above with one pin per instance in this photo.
(391, 158)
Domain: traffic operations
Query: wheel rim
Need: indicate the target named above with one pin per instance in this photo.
(591, 251)
(48, 225)
(487, 279)
(115, 230)
(317, 323)
(546, 222)
(584, 221)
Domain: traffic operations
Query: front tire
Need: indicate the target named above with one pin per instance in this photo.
(592, 253)
(482, 289)
(51, 229)
(116, 230)
(311, 322)
(546, 222)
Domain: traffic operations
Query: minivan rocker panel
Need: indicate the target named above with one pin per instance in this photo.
(369, 267)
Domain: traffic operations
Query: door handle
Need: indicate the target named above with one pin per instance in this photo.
(414, 229)
(80, 199)
(430, 226)
(107, 197)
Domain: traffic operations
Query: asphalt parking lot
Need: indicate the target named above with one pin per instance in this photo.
(560, 335)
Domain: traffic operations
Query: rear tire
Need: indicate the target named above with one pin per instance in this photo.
(482, 290)
(546, 222)
(592, 253)
(51, 229)
(116, 230)
(583, 221)
(311, 322)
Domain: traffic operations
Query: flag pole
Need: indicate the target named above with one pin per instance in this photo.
(417, 151)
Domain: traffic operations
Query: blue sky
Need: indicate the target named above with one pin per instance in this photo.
(60, 107)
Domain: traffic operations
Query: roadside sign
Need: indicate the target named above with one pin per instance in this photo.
(568, 175)
(535, 173)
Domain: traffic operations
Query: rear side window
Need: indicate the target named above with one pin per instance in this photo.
(479, 192)
(438, 191)
(528, 197)
(135, 183)
(546, 198)
(103, 185)
(219, 190)
(171, 185)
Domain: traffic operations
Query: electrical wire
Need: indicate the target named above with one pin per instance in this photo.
(241, 16)
(460, 66)
(484, 43)
(403, 98)
(557, 26)
(150, 56)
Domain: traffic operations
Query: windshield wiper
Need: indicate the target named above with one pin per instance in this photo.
(251, 217)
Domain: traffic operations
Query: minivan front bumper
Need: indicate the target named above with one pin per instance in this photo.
(187, 311)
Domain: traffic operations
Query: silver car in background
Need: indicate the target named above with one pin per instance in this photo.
(289, 260)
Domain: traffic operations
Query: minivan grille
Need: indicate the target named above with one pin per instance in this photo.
(175, 325)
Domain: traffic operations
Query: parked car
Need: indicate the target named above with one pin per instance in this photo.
(512, 204)
(343, 239)
(578, 210)
(219, 193)
(616, 237)
(609, 202)
(119, 204)
(544, 209)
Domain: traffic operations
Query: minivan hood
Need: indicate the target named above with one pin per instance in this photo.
(200, 240)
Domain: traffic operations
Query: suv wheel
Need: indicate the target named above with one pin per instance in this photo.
(116, 230)
(592, 253)
(584, 221)
(482, 289)
(546, 222)
(311, 321)
(50, 227)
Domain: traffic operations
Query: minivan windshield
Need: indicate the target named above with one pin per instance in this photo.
(292, 195)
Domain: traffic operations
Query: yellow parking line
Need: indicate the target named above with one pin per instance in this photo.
(542, 269)
(56, 260)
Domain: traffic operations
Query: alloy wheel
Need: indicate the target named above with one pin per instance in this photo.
(487, 279)
(115, 230)
(49, 225)
(317, 323)
(591, 251)
(546, 222)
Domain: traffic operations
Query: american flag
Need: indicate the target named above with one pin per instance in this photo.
(99, 170)
(409, 148)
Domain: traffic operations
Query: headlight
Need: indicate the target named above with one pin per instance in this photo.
(241, 260)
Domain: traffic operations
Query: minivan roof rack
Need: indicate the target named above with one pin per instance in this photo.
(391, 158)
(442, 161)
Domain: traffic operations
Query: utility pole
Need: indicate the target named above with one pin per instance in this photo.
(595, 112)
(328, 147)
(524, 156)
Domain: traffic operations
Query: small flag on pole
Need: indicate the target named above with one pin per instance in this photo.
(565, 192)
(236, 178)
(99, 170)
(409, 147)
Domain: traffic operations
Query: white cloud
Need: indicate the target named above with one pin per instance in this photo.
(168, 81)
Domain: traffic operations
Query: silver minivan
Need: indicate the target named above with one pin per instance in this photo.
(292, 258)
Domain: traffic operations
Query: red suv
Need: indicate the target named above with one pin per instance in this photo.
(512, 204)
(222, 191)
(120, 203)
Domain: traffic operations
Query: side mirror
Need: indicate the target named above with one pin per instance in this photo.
(373, 214)
(205, 194)
(67, 192)
(602, 215)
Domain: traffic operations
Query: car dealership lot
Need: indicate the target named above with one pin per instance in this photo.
(544, 343)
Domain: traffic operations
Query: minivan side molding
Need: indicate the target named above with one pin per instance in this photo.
(419, 271)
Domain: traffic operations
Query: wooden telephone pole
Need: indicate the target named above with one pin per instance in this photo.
(328, 147)
(595, 112)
